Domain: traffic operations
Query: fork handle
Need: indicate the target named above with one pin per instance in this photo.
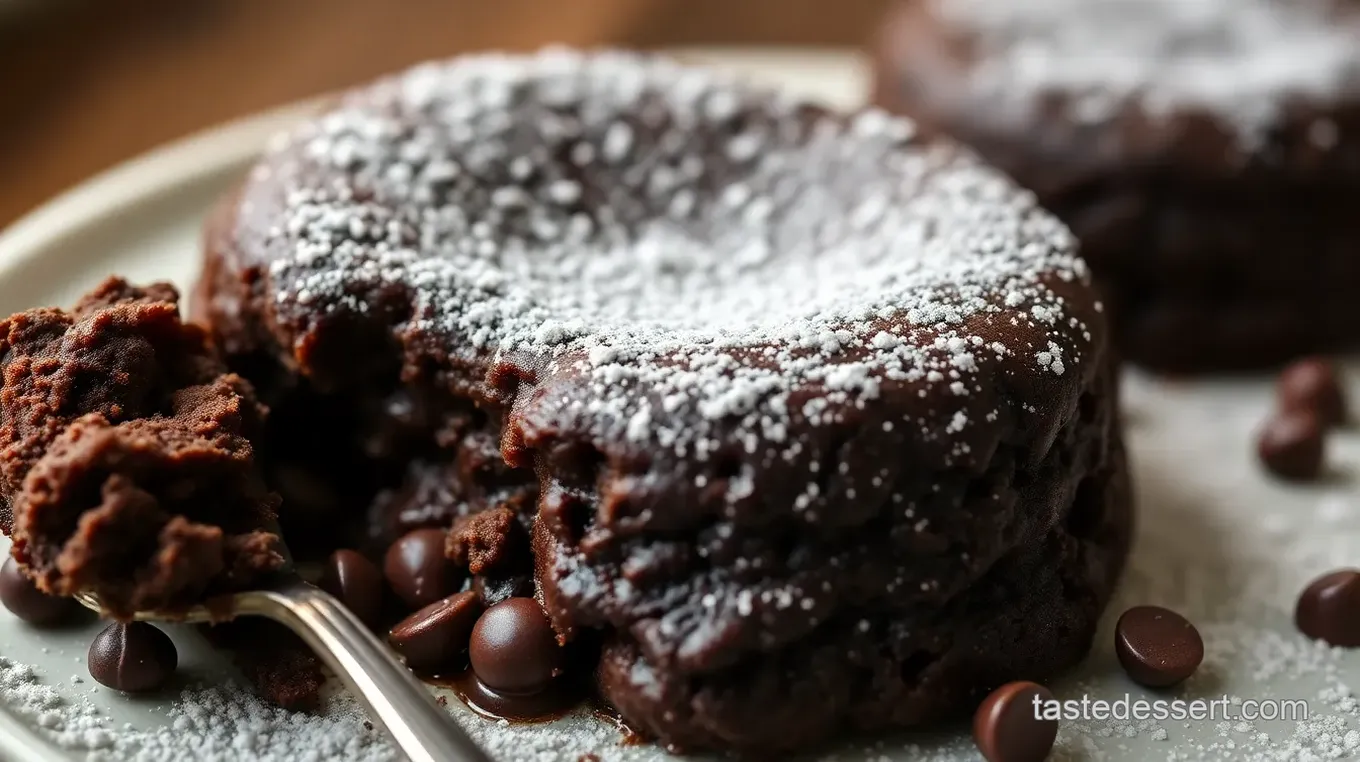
(395, 699)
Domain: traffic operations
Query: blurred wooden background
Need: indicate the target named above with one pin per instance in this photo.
(85, 84)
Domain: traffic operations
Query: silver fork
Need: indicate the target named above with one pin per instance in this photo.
(398, 702)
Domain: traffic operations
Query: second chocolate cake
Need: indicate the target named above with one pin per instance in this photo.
(810, 419)
(1206, 154)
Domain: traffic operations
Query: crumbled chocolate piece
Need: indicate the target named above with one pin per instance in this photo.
(488, 540)
(125, 457)
(277, 662)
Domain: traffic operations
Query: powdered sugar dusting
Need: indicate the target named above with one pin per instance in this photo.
(687, 243)
(1241, 59)
(71, 724)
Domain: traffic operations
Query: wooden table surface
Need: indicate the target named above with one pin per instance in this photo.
(85, 84)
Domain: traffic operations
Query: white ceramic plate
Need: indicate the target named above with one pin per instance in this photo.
(1217, 540)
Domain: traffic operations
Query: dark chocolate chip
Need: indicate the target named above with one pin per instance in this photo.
(1292, 445)
(1313, 385)
(26, 601)
(557, 697)
(435, 637)
(417, 570)
(356, 582)
(1157, 647)
(514, 649)
(1329, 609)
(493, 590)
(1006, 727)
(133, 657)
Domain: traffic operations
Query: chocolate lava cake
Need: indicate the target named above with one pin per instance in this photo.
(810, 419)
(1206, 154)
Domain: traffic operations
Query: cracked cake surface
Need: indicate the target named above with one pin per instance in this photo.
(808, 417)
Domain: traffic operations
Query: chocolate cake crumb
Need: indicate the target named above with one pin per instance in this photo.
(282, 668)
(487, 540)
(126, 467)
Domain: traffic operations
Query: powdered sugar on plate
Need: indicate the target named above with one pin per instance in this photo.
(1240, 59)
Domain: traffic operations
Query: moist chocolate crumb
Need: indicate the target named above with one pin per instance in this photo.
(282, 668)
(487, 540)
(126, 466)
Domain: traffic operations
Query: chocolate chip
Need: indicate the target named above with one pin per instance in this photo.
(356, 582)
(436, 636)
(133, 657)
(1006, 729)
(493, 590)
(1329, 609)
(417, 570)
(26, 601)
(1292, 445)
(1313, 385)
(1157, 647)
(514, 649)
